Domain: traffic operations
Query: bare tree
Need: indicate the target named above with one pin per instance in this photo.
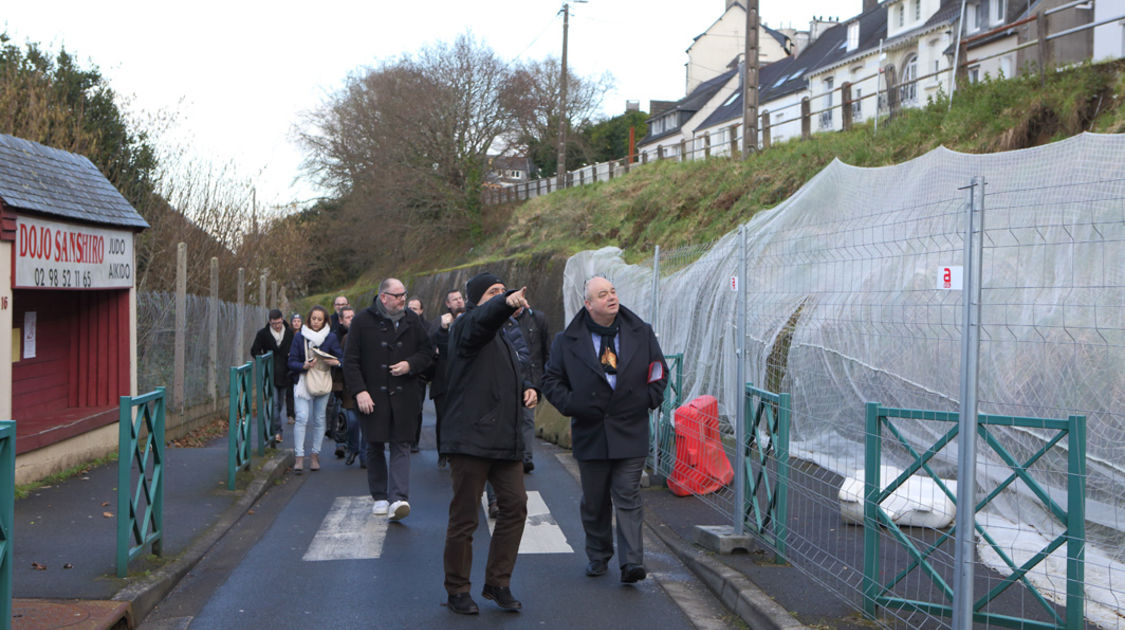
(405, 145)
(533, 97)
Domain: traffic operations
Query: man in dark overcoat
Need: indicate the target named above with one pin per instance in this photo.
(387, 350)
(276, 337)
(606, 371)
(439, 335)
(480, 432)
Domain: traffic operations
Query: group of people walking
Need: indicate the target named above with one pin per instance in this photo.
(489, 360)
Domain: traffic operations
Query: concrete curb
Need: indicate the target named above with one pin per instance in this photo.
(734, 590)
(144, 594)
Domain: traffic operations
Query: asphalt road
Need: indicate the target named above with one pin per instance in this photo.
(310, 554)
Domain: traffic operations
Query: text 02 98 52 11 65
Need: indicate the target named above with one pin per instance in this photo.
(58, 255)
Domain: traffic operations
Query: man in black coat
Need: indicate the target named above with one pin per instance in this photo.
(439, 335)
(480, 432)
(387, 350)
(533, 327)
(276, 337)
(606, 371)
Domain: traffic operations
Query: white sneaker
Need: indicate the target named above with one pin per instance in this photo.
(380, 508)
(399, 510)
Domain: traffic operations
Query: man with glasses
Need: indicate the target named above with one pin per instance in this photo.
(387, 350)
(276, 337)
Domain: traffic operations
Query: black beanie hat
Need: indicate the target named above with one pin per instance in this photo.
(478, 284)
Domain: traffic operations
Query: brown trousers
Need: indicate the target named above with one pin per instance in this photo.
(469, 475)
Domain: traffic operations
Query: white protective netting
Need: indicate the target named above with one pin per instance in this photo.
(844, 307)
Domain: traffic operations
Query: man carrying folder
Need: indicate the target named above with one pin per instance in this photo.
(606, 371)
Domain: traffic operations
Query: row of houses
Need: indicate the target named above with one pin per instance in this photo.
(898, 52)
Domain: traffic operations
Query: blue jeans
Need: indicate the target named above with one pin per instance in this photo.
(279, 409)
(355, 436)
(316, 408)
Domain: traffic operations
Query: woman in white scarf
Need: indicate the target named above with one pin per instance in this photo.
(314, 334)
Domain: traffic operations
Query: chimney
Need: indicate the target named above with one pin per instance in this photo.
(869, 4)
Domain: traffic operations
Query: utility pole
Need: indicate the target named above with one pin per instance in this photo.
(560, 177)
(750, 82)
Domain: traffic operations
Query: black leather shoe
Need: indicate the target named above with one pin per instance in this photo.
(463, 604)
(528, 466)
(502, 595)
(339, 452)
(596, 568)
(351, 458)
(632, 573)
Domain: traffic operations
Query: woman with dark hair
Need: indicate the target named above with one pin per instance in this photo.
(312, 345)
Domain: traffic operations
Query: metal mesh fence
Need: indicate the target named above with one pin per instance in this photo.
(846, 303)
(156, 336)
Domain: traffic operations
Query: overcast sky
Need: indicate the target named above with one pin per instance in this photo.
(237, 74)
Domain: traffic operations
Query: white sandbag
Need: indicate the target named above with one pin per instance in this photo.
(917, 503)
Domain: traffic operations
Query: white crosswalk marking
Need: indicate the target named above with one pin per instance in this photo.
(349, 532)
(541, 533)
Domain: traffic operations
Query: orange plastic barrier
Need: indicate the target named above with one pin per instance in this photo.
(701, 464)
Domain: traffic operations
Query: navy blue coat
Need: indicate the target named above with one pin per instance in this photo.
(606, 422)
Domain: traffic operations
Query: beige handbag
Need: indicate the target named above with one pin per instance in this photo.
(318, 379)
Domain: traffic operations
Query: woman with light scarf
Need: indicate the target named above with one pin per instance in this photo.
(315, 333)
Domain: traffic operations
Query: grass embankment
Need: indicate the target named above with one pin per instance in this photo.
(680, 203)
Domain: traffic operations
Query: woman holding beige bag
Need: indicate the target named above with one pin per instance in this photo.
(315, 351)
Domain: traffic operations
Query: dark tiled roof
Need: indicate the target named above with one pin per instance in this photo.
(54, 182)
(872, 30)
(692, 103)
(776, 74)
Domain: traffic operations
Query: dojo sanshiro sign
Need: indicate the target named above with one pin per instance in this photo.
(55, 255)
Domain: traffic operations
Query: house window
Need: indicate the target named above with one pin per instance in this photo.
(857, 106)
(908, 93)
(901, 15)
(853, 36)
(974, 74)
(917, 10)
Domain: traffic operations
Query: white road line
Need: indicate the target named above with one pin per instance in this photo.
(349, 532)
(541, 533)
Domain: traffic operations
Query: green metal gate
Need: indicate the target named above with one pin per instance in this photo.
(241, 421)
(766, 441)
(878, 592)
(140, 511)
(265, 403)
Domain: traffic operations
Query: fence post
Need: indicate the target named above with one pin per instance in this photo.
(765, 128)
(180, 347)
(240, 317)
(655, 310)
(213, 334)
(7, 517)
(644, 157)
(1041, 46)
(806, 119)
(872, 485)
(626, 164)
(846, 105)
(660, 152)
(734, 150)
(740, 375)
(683, 150)
(1076, 523)
(613, 163)
(707, 146)
(967, 433)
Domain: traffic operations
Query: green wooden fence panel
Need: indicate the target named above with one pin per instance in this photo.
(1072, 516)
(264, 398)
(140, 510)
(766, 441)
(7, 517)
(241, 421)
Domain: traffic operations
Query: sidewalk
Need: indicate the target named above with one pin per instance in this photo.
(64, 539)
(67, 524)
